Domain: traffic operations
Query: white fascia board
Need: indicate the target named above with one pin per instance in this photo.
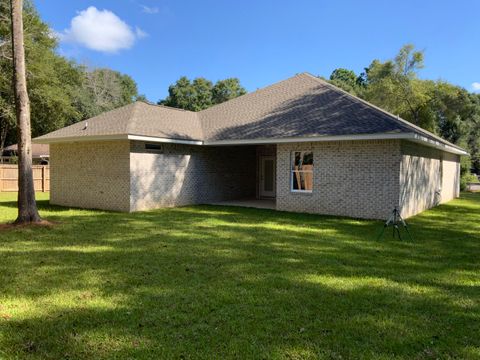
(383, 136)
(79, 138)
(116, 137)
(164, 140)
(438, 145)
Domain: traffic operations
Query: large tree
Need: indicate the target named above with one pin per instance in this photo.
(103, 90)
(7, 102)
(347, 80)
(394, 86)
(438, 106)
(193, 95)
(27, 207)
(201, 93)
(51, 78)
(61, 91)
(227, 89)
(473, 139)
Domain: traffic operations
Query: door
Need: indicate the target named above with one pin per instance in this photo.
(267, 176)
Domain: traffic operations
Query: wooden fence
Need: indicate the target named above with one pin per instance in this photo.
(9, 177)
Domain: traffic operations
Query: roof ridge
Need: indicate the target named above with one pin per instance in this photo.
(164, 106)
(249, 93)
(396, 118)
(132, 117)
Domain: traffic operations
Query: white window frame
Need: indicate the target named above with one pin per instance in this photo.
(292, 172)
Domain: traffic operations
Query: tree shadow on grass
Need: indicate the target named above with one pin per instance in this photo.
(259, 319)
(226, 282)
(42, 205)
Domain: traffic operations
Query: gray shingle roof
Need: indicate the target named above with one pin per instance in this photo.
(138, 118)
(301, 106)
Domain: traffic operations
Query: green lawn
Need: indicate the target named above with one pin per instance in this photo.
(219, 282)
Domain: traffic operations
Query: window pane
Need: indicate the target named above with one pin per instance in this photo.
(302, 170)
(295, 180)
(302, 180)
(306, 180)
(296, 160)
(154, 147)
(302, 160)
(307, 158)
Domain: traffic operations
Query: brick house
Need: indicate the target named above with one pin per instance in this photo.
(302, 144)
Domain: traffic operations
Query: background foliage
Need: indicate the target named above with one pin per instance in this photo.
(201, 93)
(61, 91)
(445, 109)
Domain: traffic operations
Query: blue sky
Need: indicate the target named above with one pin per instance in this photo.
(263, 41)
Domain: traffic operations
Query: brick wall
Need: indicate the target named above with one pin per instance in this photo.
(363, 179)
(451, 177)
(351, 178)
(91, 175)
(183, 174)
(428, 177)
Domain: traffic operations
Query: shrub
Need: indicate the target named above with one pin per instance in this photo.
(467, 178)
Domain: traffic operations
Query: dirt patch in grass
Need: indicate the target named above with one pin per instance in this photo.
(43, 223)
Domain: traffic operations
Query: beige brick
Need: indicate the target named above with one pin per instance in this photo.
(422, 185)
(91, 175)
(367, 179)
(184, 175)
(362, 179)
(351, 178)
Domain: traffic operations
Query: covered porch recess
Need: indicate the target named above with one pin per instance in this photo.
(264, 194)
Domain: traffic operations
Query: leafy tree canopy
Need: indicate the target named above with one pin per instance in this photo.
(103, 90)
(201, 93)
(61, 91)
(347, 80)
(227, 89)
(50, 77)
(438, 106)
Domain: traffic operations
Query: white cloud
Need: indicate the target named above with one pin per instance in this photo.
(150, 10)
(476, 86)
(140, 33)
(100, 30)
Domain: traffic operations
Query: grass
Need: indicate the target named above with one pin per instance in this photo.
(218, 282)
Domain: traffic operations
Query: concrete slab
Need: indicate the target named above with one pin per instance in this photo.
(252, 203)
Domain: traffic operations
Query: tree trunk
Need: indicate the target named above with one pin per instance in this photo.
(27, 206)
(3, 135)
